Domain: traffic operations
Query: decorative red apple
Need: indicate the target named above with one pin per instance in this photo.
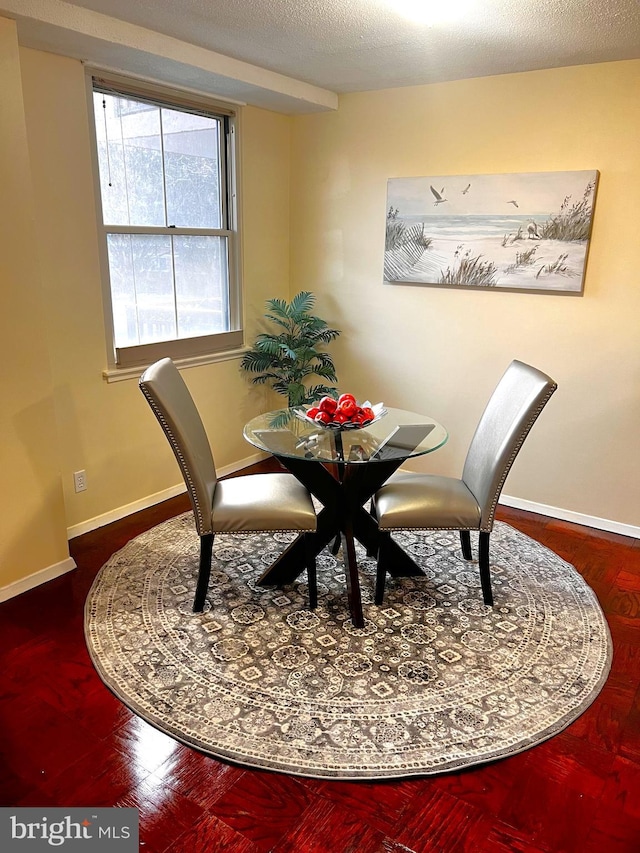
(328, 404)
(343, 397)
(343, 412)
(347, 407)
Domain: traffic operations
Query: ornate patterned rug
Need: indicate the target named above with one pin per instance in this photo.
(435, 680)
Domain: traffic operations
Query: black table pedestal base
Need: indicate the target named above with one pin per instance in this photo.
(342, 518)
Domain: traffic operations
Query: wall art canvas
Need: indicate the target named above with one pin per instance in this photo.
(527, 231)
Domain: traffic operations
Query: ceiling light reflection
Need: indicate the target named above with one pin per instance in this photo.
(430, 12)
(151, 748)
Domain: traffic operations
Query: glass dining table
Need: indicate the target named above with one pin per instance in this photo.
(343, 469)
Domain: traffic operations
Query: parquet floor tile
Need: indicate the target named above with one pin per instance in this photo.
(382, 805)
(164, 813)
(439, 821)
(263, 807)
(326, 826)
(199, 777)
(210, 835)
(66, 740)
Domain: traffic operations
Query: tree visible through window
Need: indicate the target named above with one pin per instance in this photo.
(164, 183)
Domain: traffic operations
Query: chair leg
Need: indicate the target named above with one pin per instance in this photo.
(373, 509)
(465, 542)
(335, 546)
(381, 575)
(204, 572)
(371, 552)
(485, 574)
(312, 583)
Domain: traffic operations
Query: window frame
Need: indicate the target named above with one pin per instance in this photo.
(123, 362)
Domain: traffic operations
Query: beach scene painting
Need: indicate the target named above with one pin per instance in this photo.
(527, 231)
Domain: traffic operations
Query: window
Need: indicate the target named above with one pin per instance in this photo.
(167, 195)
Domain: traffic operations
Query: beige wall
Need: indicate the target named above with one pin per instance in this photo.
(58, 414)
(442, 350)
(108, 429)
(32, 526)
(314, 193)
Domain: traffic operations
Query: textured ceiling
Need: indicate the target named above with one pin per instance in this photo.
(351, 45)
(354, 45)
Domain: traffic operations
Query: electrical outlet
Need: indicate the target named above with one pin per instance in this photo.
(80, 480)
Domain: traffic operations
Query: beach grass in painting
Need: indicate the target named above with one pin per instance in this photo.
(526, 231)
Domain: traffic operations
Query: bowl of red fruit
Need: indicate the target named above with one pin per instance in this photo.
(343, 413)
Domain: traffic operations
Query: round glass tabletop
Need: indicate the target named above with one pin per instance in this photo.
(397, 435)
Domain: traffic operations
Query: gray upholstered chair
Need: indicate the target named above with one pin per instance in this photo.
(422, 501)
(249, 503)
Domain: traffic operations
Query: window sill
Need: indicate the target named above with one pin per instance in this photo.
(119, 374)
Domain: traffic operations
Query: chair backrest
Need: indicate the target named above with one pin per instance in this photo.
(173, 405)
(515, 404)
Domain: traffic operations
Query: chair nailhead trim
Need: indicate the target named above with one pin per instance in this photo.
(200, 523)
(487, 527)
(248, 531)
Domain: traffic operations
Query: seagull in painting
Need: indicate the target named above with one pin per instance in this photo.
(466, 189)
(438, 195)
(514, 203)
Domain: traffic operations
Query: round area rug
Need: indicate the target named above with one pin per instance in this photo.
(434, 681)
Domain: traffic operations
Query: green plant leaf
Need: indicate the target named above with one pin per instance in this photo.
(254, 361)
(327, 372)
(315, 392)
(281, 386)
(280, 322)
(327, 335)
(286, 350)
(280, 419)
(279, 307)
(267, 344)
(324, 358)
(302, 302)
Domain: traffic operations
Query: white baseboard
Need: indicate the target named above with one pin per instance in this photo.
(67, 565)
(123, 511)
(37, 578)
(507, 500)
(574, 517)
(151, 500)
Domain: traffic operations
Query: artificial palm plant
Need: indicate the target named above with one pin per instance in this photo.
(287, 358)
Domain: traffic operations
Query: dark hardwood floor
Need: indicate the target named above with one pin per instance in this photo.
(66, 741)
